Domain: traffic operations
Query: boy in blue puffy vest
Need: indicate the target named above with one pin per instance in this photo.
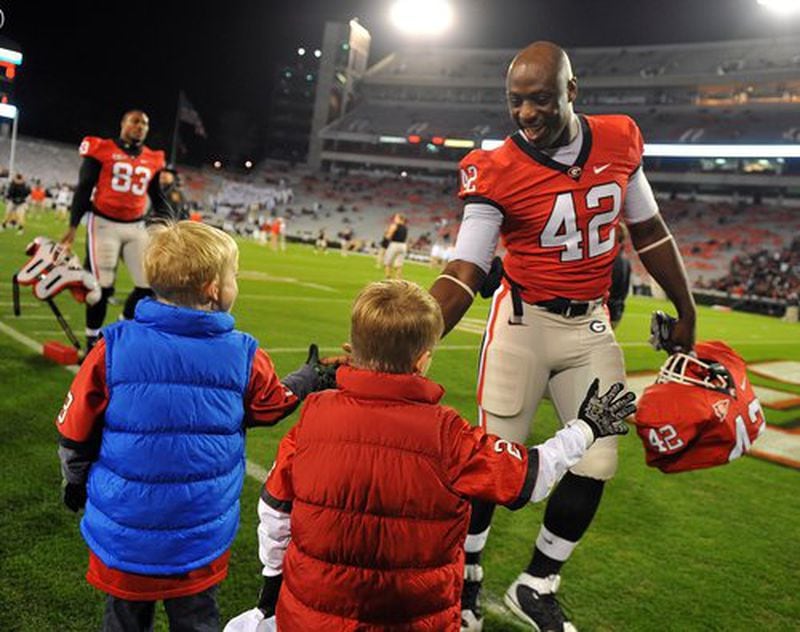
(152, 441)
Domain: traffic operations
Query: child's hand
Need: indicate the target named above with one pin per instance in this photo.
(75, 496)
(605, 414)
(325, 368)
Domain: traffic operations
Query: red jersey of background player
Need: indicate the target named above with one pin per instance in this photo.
(122, 186)
(559, 225)
(688, 427)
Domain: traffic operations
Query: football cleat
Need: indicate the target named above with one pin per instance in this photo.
(471, 615)
(533, 599)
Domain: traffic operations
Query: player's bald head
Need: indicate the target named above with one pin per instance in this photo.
(541, 89)
(544, 59)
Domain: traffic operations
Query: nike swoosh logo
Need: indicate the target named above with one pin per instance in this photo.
(601, 168)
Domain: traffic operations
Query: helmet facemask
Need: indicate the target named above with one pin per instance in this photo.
(682, 368)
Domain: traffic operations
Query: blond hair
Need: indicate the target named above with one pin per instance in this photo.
(392, 324)
(181, 259)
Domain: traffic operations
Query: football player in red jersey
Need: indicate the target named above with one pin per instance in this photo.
(554, 192)
(701, 411)
(116, 178)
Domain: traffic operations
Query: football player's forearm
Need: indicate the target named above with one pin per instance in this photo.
(455, 289)
(81, 200)
(659, 255)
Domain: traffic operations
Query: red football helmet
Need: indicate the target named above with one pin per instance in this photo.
(701, 411)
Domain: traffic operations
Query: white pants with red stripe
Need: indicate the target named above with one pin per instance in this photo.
(107, 240)
(546, 352)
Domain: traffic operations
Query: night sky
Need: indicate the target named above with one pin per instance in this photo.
(87, 62)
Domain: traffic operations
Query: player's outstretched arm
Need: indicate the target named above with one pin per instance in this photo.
(659, 254)
(454, 289)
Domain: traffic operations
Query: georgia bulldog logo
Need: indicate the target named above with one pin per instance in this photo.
(468, 177)
(721, 408)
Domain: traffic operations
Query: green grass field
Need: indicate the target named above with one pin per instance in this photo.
(711, 550)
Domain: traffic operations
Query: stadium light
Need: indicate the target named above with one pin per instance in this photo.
(248, 164)
(301, 51)
(217, 164)
(781, 7)
(422, 17)
(317, 53)
(11, 56)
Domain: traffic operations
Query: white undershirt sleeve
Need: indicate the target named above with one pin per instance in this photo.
(274, 533)
(640, 203)
(558, 454)
(478, 235)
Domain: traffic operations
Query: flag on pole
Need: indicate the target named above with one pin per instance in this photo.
(187, 114)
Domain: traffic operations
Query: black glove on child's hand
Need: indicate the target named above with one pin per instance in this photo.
(605, 414)
(326, 373)
(75, 496)
(268, 598)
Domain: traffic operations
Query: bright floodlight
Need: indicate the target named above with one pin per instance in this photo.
(782, 7)
(301, 51)
(317, 53)
(422, 17)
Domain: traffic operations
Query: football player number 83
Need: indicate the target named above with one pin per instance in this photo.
(561, 230)
(125, 177)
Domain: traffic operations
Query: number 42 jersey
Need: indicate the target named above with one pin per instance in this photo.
(121, 190)
(560, 220)
(688, 427)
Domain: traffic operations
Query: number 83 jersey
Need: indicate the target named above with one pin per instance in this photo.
(121, 190)
(559, 225)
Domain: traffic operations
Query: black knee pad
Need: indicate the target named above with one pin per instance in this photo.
(134, 297)
(96, 314)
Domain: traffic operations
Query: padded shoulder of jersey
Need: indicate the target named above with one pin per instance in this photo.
(479, 171)
(159, 156)
(91, 146)
(618, 134)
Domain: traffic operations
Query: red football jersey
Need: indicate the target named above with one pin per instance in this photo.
(121, 190)
(560, 221)
(688, 427)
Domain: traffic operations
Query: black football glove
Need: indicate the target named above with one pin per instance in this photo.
(606, 413)
(326, 373)
(75, 496)
(268, 598)
(661, 326)
(493, 278)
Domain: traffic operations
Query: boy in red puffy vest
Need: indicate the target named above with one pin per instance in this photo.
(364, 514)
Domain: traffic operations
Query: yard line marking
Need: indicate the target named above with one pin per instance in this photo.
(35, 317)
(306, 299)
(20, 337)
(257, 275)
(338, 349)
(23, 304)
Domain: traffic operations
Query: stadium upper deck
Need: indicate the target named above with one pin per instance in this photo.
(743, 91)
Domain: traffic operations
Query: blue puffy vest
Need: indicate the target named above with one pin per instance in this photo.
(164, 492)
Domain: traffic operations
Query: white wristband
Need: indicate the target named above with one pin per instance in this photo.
(458, 282)
(655, 244)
